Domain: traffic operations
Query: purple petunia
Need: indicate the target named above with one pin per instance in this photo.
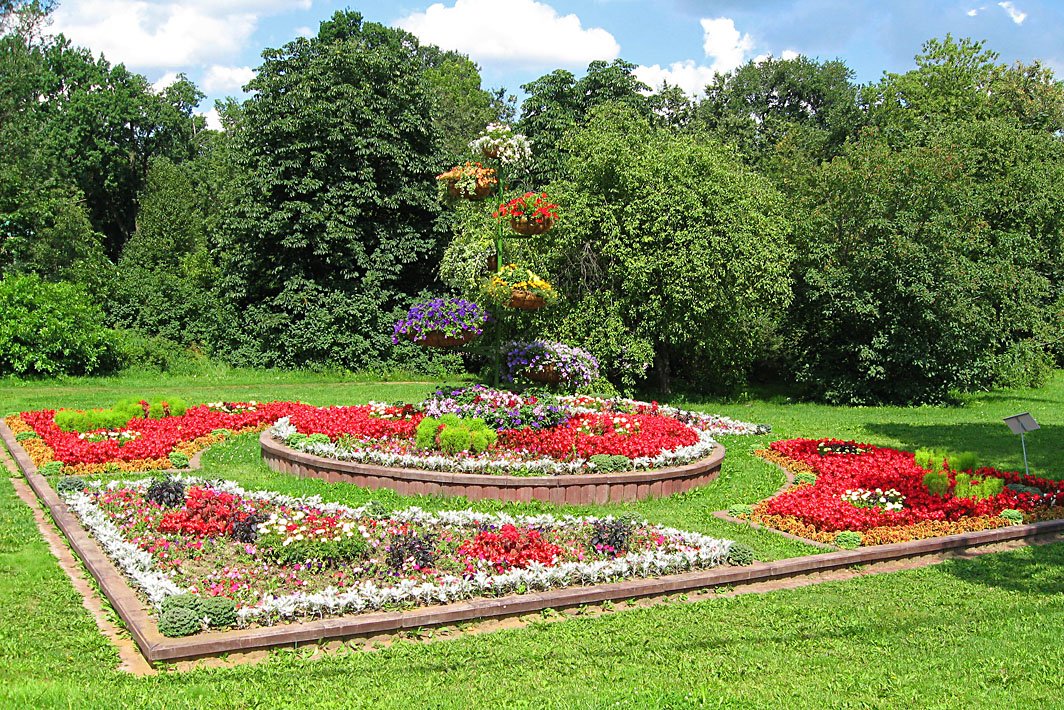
(576, 366)
(453, 317)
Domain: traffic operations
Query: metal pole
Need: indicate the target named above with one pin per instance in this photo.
(1023, 442)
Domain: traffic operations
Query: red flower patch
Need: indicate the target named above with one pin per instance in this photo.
(821, 505)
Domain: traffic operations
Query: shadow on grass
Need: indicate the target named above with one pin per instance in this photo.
(1038, 569)
(993, 443)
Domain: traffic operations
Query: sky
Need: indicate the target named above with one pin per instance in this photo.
(218, 43)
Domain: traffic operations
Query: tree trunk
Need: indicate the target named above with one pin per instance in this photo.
(661, 369)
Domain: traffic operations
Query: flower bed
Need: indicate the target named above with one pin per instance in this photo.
(141, 444)
(537, 433)
(874, 495)
(282, 558)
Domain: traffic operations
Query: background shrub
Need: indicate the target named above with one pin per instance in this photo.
(49, 329)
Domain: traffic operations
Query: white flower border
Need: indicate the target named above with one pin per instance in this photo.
(705, 552)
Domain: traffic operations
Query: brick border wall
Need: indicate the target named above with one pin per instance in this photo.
(582, 489)
(157, 647)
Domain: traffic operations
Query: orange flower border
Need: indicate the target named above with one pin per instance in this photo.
(877, 536)
(40, 453)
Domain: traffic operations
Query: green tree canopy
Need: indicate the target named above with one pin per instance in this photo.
(335, 214)
(758, 105)
(669, 251)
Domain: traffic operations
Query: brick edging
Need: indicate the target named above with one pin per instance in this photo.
(579, 489)
(156, 647)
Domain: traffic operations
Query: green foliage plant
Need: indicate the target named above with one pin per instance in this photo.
(969, 486)
(848, 539)
(26, 436)
(69, 484)
(937, 482)
(739, 510)
(1014, 516)
(740, 554)
(178, 459)
(607, 463)
(452, 434)
(179, 621)
(220, 612)
(51, 468)
(51, 329)
(804, 477)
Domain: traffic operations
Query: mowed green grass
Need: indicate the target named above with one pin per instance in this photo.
(978, 633)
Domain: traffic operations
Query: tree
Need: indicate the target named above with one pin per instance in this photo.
(920, 270)
(669, 252)
(335, 207)
(961, 80)
(102, 125)
(558, 104)
(461, 108)
(760, 104)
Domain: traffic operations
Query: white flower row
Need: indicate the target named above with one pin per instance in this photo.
(716, 423)
(495, 463)
(694, 551)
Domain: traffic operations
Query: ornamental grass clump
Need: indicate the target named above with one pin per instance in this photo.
(575, 367)
(451, 317)
(980, 489)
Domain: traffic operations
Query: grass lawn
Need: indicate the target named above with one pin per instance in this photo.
(983, 632)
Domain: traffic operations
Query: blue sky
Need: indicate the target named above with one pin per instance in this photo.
(217, 43)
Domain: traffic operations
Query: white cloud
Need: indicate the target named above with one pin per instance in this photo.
(1017, 15)
(221, 80)
(789, 54)
(304, 32)
(512, 31)
(687, 75)
(164, 81)
(725, 44)
(167, 35)
(214, 121)
(973, 12)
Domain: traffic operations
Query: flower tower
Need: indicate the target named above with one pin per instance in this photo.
(510, 289)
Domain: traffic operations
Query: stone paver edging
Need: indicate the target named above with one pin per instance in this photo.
(157, 647)
(580, 489)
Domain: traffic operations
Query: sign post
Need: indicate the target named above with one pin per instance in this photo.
(1021, 424)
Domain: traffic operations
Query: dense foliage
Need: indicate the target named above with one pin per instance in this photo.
(917, 251)
(50, 329)
(671, 254)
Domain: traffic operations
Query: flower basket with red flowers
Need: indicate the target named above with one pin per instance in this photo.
(530, 214)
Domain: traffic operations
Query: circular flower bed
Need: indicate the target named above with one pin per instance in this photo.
(884, 496)
(574, 366)
(283, 558)
(442, 322)
(535, 433)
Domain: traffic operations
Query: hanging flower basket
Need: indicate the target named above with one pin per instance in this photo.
(547, 375)
(441, 323)
(531, 227)
(475, 194)
(530, 214)
(439, 339)
(471, 181)
(526, 300)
